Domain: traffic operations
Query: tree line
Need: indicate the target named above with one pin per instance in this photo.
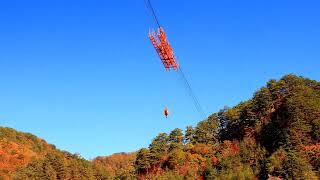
(273, 135)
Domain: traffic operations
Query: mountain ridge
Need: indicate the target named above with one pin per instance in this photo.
(273, 135)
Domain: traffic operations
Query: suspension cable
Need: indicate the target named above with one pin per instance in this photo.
(149, 6)
(191, 93)
(179, 70)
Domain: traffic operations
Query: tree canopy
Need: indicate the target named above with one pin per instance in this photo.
(273, 135)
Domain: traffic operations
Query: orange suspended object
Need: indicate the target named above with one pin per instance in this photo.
(163, 48)
(166, 112)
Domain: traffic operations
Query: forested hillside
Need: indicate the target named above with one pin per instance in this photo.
(274, 135)
(119, 165)
(24, 156)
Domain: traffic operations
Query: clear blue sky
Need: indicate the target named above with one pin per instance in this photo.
(83, 75)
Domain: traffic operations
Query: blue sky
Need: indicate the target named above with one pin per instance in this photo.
(84, 76)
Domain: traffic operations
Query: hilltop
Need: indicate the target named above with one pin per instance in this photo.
(25, 156)
(275, 134)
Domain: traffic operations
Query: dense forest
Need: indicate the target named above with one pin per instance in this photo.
(24, 156)
(274, 135)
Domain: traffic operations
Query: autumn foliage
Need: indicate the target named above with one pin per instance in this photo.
(273, 135)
